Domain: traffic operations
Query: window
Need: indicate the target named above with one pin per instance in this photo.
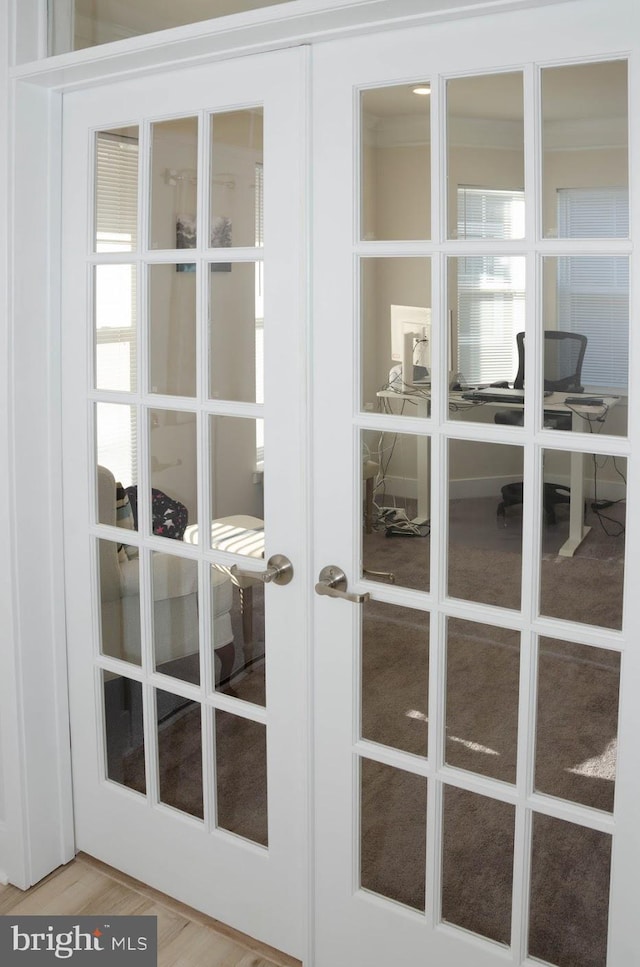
(593, 291)
(115, 294)
(490, 289)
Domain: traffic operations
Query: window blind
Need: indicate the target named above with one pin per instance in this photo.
(115, 296)
(491, 289)
(593, 291)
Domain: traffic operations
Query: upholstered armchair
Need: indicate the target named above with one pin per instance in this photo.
(175, 598)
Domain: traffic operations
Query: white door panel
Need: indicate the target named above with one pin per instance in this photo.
(187, 694)
(459, 765)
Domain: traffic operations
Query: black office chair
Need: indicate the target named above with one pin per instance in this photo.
(563, 358)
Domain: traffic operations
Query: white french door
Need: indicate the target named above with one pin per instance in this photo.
(184, 409)
(475, 720)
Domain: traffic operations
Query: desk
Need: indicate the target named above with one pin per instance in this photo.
(240, 534)
(421, 397)
(552, 404)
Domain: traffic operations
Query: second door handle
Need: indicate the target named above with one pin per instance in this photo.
(332, 582)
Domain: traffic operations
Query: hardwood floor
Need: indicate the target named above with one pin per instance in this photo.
(186, 938)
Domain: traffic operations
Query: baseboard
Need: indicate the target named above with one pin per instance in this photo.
(407, 487)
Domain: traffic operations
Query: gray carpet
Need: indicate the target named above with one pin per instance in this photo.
(575, 760)
(575, 740)
(575, 736)
(485, 562)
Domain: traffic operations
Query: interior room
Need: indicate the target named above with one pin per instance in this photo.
(585, 150)
(584, 118)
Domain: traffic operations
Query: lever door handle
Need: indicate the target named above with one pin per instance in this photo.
(332, 581)
(279, 569)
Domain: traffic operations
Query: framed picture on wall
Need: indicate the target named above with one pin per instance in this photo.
(186, 236)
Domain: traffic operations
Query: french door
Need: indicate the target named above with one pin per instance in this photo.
(475, 725)
(183, 350)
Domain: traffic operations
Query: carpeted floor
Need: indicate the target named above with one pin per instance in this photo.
(575, 760)
(485, 562)
(576, 725)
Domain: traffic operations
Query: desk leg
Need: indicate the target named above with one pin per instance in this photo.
(246, 611)
(423, 479)
(577, 529)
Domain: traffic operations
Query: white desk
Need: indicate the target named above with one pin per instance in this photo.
(553, 404)
(422, 400)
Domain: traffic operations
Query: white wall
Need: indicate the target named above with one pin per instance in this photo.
(6, 625)
(36, 835)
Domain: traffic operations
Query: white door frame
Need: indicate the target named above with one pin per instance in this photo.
(36, 831)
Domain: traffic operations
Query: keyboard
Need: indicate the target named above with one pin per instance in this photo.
(494, 394)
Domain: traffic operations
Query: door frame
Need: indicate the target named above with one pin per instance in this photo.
(36, 820)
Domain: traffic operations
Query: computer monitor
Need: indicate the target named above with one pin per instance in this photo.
(411, 340)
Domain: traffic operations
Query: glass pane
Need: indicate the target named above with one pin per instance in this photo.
(172, 329)
(396, 500)
(395, 326)
(583, 540)
(586, 342)
(483, 671)
(116, 438)
(477, 863)
(237, 454)
(236, 178)
(395, 676)
(175, 617)
(485, 558)
(172, 449)
(393, 833)
(124, 731)
(577, 723)
(100, 22)
(236, 331)
(179, 753)
(396, 150)
(174, 180)
(485, 156)
(569, 903)
(487, 311)
(585, 146)
(116, 338)
(241, 776)
(119, 602)
(238, 628)
(116, 190)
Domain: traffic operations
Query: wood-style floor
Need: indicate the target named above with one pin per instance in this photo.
(186, 938)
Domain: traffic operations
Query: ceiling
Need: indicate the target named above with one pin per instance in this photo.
(577, 92)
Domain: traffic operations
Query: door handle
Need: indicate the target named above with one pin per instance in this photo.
(279, 569)
(332, 581)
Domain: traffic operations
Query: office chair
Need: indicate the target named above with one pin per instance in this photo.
(563, 358)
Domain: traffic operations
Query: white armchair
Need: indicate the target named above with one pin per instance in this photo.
(175, 598)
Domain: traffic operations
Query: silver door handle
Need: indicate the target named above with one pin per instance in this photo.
(279, 569)
(332, 581)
